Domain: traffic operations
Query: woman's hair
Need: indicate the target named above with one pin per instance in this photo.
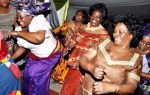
(85, 16)
(134, 25)
(147, 30)
(101, 8)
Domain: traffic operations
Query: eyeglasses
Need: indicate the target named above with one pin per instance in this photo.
(145, 43)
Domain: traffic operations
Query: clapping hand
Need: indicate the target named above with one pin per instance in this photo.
(104, 88)
(99, 72)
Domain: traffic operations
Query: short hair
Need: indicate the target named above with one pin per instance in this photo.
(85, 16)
(101, 8)
(147, 30)
(134, 25)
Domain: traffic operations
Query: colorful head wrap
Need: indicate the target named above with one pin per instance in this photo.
(31, 7)
(147, 30)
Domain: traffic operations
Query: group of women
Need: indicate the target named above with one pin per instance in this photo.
(101, 66)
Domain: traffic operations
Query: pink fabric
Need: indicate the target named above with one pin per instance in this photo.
(1, 36)
(3, 47)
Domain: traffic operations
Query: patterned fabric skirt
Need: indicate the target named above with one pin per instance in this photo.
(8, 82)
(60, 71)
(72, 82)
(36, 76)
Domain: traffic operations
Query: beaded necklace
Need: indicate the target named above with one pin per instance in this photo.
(88, 27)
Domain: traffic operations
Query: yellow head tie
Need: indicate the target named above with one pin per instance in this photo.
(4, 60)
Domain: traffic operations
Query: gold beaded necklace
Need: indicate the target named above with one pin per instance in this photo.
(89, 28)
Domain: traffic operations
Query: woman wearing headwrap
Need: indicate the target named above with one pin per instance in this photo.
(36, 36)
(10, 83)
(144, 47)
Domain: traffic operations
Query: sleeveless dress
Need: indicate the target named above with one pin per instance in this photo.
(72, 80)
(88, 80)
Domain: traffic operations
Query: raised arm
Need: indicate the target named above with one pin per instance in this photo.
(33, 37)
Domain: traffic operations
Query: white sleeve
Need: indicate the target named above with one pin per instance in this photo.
(39, 23)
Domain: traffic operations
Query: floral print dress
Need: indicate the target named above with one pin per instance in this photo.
(72, 80)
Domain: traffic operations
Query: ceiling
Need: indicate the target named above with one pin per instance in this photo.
(115, 7)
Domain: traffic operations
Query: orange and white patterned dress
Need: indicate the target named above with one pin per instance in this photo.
(61, 70)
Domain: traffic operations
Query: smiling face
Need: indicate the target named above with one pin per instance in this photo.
(79, 17)
(23, 19)
(4, 3)
(121, 35)
(144, 44)
(96, 18)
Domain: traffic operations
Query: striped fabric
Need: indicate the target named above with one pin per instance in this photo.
(7, 22)
(14, 3)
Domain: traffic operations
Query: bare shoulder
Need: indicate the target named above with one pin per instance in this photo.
(83, 26)
(103, 31)
(107, 43)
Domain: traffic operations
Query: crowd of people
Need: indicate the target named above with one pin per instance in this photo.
(80, 54)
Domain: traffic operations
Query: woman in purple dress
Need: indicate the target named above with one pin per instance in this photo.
(144, 47)
(35, 35)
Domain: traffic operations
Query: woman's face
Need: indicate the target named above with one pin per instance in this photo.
(24, 20)
(144, 44)
(96, 18)
(79, 17)
(4, 3)
(121, 35)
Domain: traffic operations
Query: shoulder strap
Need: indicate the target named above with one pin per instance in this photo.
(104, 52)
(133, 59)
(104, 43)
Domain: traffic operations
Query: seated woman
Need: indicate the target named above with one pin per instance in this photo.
(36, 36)
(10, 77)
(114, 67)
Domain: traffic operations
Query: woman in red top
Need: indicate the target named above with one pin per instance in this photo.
(87, 37)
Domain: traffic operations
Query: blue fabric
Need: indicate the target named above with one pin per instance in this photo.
(8, 81)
